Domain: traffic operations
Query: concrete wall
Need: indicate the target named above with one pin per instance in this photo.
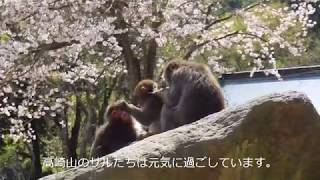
(240, 91)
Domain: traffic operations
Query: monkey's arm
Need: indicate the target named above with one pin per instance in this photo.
(164, 95)
(171, 96)
(140, 114)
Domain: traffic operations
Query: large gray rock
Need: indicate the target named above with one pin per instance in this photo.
(282, 128)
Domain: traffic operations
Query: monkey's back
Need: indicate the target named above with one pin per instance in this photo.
(201, 94)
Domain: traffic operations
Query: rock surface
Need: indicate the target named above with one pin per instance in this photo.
(282, 128)
(11, 172)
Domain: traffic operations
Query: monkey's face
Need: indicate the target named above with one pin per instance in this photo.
(120, 115)
(117, 112)
(145, 88)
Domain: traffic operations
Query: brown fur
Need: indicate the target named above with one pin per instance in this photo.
(149, 105)
(115, 134)
(193, 94)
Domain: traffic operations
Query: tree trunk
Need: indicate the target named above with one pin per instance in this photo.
(106, 96)
(103, 106)
(64, 134)
(89, 129)
(131, 61)
(36, 162)
(149, 62)
(73, 141)
(149, 59)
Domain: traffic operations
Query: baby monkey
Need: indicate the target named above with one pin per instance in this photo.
(149, 104)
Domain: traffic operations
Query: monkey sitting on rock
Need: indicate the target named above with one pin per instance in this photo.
(149, 104)
(193, 94)
(119, 130)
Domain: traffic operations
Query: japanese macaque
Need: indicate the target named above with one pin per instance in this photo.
(119, 130)
(193, 94)
(149, 104)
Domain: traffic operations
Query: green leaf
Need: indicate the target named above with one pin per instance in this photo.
(239, 24)
(5, 37)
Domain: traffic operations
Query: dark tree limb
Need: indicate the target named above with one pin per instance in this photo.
(73, 141)
(54, 46)
(36, 162)
(194, 47)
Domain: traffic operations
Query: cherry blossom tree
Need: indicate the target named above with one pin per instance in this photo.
(55, 51)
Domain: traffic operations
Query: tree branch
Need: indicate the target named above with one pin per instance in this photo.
(252, 35)
(54, 46)
(195, 47)
(231, 15)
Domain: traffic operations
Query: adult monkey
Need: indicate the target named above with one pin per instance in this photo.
(149, 101)
(193, 94)
(119, 130)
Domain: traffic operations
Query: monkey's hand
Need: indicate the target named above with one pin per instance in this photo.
(123, 104)
(159, 91)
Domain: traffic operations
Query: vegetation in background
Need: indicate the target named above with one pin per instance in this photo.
(63, 62)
